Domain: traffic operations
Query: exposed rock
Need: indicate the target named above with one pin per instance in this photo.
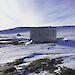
(18, 43)
(43, 64)
(67, 71)
(15, 43)
(23, 72)
(10, 73)
(13, 73)
(16, 62)
(19, 61)
(6, 69)
(36, 66)
(1, 73)
(10, 64)
(18, 34)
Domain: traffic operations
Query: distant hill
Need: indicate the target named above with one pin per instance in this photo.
(16, 30)
(24, 29)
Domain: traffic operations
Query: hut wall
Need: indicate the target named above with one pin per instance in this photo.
(43, 34)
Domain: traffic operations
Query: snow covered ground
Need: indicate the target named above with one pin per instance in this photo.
(63, 49)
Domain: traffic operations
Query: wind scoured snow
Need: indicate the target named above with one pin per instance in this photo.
(63, 49)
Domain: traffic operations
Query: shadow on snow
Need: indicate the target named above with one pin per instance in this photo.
(37, 54)
(69, 43)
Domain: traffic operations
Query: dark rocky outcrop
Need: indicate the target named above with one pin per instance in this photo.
(16, 62)
(36, 66)
(19, 61)
(43, 65)
(18, 34)
(8, 70)
(66, 71)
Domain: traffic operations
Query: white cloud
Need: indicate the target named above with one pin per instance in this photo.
(24, 13)
(17, 13)
(58, 12)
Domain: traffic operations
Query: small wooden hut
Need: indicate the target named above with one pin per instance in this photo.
(43, 34)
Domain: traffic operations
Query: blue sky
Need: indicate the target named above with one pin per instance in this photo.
(27, 13)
